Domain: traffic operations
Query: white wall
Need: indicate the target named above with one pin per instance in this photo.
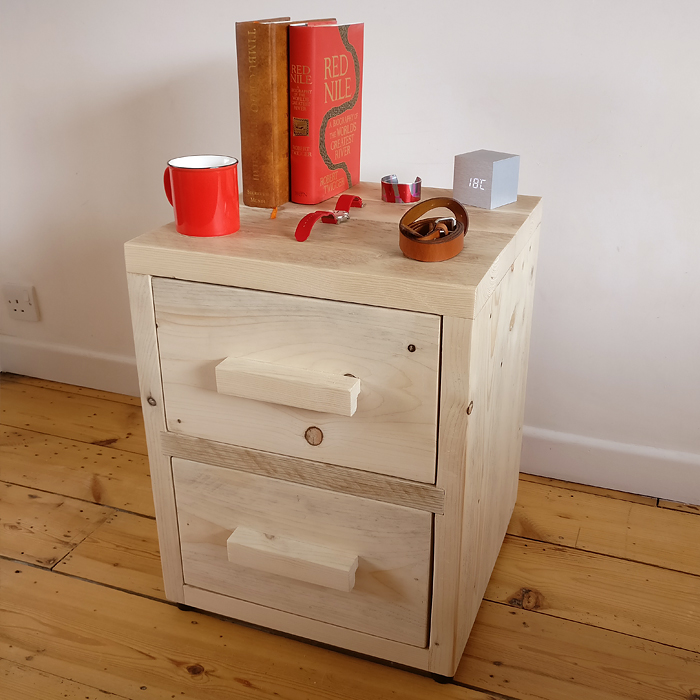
(600, 99)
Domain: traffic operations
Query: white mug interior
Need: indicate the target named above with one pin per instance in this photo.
(202, 162)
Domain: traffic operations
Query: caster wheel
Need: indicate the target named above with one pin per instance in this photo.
(184, 608)
(443, 680)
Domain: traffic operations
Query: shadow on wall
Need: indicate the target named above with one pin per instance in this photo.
(120, 151)
(100, 184)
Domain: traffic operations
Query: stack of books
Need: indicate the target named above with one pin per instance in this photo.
(300, 94)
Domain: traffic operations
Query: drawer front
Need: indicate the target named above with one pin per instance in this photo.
(288, 359)
(347, 561)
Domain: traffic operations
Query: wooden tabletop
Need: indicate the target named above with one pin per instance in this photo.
(357, 261)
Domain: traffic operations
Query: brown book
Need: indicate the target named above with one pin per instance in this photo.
(263, 70)
(263, 97)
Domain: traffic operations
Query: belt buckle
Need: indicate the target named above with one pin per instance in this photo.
(449, 221)
(337, 216)
(432, 229)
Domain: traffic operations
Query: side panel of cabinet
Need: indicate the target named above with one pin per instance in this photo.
(452, 460)
(482, 402)
(144, 326)
(494, 439)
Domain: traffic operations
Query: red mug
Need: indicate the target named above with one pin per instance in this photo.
(203, 191)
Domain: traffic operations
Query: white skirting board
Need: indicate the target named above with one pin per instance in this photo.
(68, 364)
(649, 471)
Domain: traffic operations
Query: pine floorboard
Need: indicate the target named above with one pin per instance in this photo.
(73, 416)
(140, 648)
(682, 507)
(614, 594)
(585, 488)
(122, 552)
(70, 388)
(531, 656)
(617, 528)
(41, 528)
(20, 682)
(107, 476)
(595, 596)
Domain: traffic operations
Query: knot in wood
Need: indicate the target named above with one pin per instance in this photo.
(195, 670)
(314, 435)
(151, 401)
(527, 599)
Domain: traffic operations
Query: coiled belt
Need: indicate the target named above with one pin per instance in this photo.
(434, 239)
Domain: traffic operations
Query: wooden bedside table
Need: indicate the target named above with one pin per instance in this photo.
(333, 429)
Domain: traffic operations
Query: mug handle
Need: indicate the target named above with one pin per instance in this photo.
(166, 184)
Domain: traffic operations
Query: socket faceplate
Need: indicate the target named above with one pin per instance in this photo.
(20, 302)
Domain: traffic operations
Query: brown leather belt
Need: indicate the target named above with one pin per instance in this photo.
(434, 239)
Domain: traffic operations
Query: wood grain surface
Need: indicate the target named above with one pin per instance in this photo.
(77, 469)
(395, 355)
(8, 378)
(153, 406)
(392, 584)
(611, 526)
(479, 454)
(616, 620)
(21, 682)
(73, 416)
(318, 474)
(289, 386)
(614, 594)
(301, 561)
(354, 262)
(141, 648)
(682, 507)
(523, 654)
(608, 493)
(121, 552)
(41, 528)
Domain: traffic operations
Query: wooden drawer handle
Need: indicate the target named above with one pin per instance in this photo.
(302, 561)
(289, 386)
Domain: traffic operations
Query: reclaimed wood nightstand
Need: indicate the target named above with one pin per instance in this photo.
(333, 429)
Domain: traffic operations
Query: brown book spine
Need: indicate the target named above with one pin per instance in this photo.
(263, 98)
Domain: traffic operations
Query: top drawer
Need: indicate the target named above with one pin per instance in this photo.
(280, 339)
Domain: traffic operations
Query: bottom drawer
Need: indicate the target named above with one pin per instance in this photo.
(347, 561)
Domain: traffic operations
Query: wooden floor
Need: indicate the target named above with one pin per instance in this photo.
(595, 596)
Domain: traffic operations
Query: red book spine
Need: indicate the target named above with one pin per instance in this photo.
(325, 109)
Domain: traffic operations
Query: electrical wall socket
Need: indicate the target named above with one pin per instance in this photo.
(20, 302)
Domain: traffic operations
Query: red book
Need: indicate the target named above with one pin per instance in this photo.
(325, 109)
